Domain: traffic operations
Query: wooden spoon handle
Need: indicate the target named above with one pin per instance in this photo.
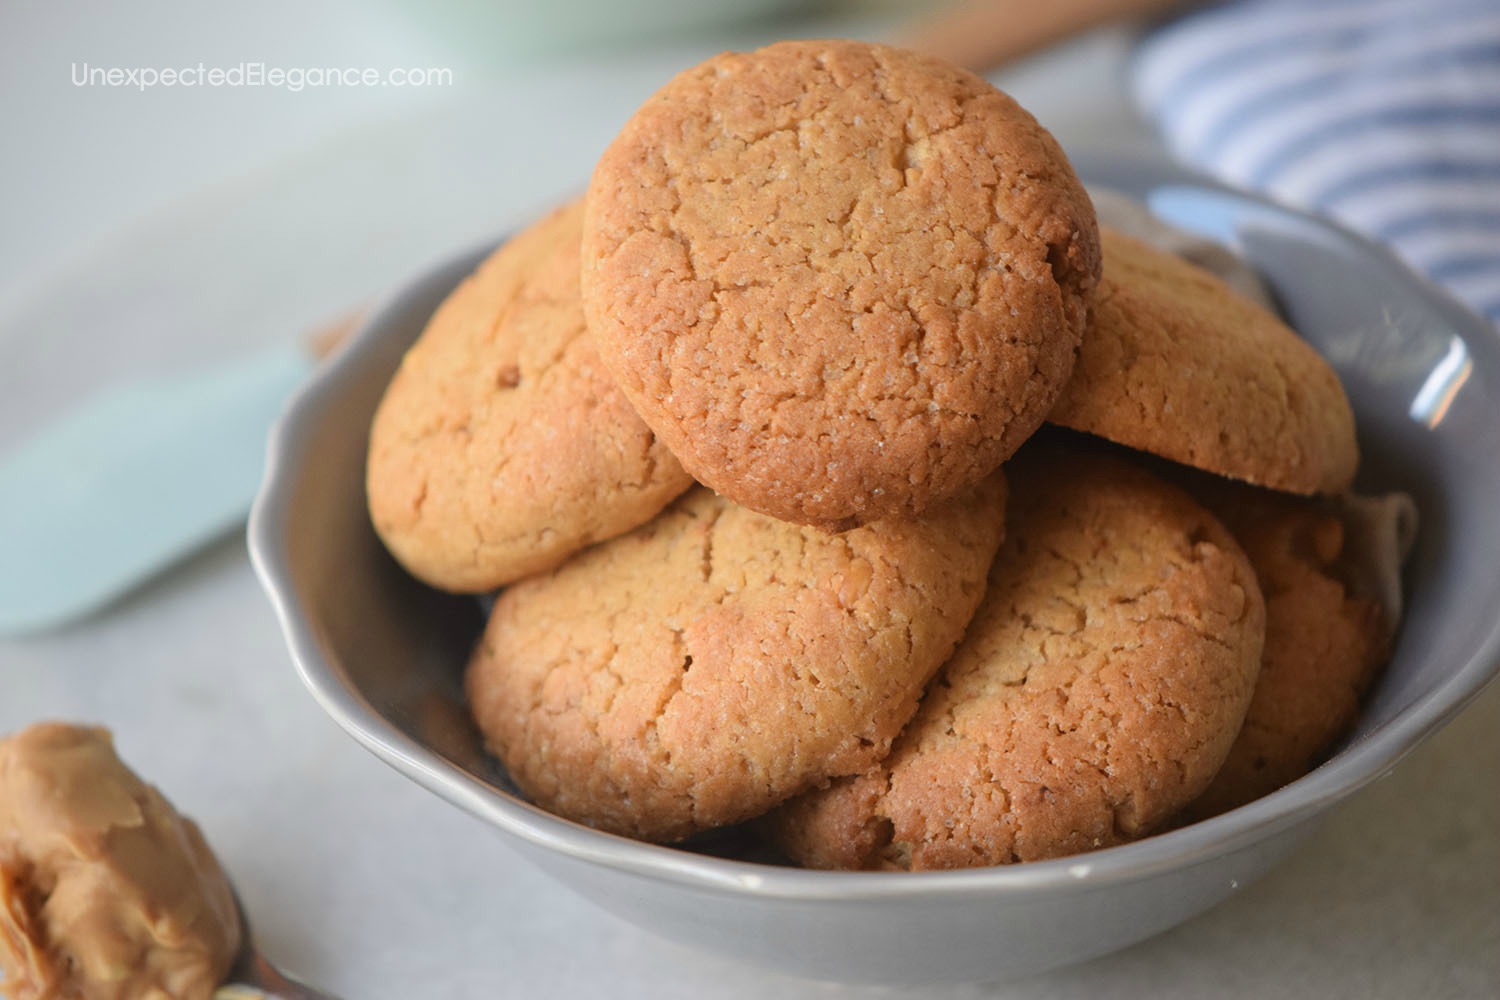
(982, 35)
(327, 338)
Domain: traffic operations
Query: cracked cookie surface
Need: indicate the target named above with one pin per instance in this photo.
(842, 281)
(502, 445)
(1324, 642)
(1176, 363)
(715, 661)
(1095, 694)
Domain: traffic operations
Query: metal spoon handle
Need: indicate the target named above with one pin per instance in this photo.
(257, 979)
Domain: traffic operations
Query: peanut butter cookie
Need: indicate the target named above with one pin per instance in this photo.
(1324, 643)
(502, 445)
(715, 661)
(1096, 693)
(842, 281)
(1176, 363)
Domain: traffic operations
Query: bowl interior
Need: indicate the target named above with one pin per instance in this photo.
(384, 655)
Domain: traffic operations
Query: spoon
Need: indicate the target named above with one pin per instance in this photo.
(252, 977)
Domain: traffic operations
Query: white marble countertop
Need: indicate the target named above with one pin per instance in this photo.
(157, 230)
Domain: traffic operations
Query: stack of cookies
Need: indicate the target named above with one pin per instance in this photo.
(738, 437)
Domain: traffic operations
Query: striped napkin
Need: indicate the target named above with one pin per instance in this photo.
(1384, 114)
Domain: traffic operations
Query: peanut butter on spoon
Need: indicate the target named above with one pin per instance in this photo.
(106, 892)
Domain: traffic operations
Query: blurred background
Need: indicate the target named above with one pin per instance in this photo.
(151, 228)
(541, 85)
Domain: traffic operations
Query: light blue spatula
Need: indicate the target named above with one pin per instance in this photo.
(133, 480)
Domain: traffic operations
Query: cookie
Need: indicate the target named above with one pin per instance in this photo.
(502, 445)
(697, 671)
(841, 281)
(1096, 693)
(1175, 363)
(1324, 643)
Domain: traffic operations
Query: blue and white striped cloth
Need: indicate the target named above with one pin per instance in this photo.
(1384, 114)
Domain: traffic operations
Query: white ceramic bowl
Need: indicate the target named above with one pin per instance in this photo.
(384, 655)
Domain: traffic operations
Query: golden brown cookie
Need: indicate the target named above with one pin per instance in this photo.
(715, 661)
(1175, 363)
(1095, 694)
(842, 281)
(1324, 644)
(502, 445)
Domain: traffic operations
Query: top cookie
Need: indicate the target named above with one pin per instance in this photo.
(1176, 363)
(502, 445)
(840, 280)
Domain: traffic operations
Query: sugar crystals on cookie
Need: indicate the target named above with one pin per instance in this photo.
(697, 671)
(1176, 363)
(841, 281)
(1096, 693)
(502, 446)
